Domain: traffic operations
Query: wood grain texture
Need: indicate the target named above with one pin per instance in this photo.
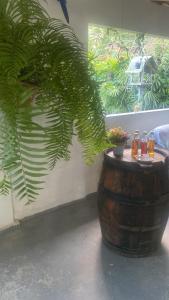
(133, 203)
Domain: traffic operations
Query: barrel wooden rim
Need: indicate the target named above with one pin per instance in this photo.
(135, 165)
(136, 201)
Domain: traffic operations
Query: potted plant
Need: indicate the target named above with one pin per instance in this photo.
(118, 138)
(43, 100)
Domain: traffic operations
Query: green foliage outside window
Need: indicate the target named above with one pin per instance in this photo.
(111, 51)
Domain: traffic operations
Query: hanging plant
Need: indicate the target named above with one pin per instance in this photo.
(46, 96)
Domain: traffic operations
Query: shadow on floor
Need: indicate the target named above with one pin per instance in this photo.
(60, 256)
(135, 278)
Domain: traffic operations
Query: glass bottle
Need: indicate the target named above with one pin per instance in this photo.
(151, 144)
(143, 143)
(138, 138)
(134, 145)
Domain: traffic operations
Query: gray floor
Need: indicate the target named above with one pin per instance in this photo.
(60, 256)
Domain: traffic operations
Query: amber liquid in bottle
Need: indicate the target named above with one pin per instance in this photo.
(144, 144)
(151, 145)
(134, 146)
(143, 148)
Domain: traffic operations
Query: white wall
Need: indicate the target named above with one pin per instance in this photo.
(69, 181)
(6, 212)
(73, 180)
(140, 120)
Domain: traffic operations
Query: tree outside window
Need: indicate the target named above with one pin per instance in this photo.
(111, 51)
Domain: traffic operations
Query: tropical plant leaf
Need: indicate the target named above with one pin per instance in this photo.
(46, 96)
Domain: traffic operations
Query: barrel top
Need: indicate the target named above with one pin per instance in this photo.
(159, 157)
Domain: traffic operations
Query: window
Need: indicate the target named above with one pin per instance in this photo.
(131, 68)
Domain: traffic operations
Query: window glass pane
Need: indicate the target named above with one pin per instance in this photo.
(131, 68)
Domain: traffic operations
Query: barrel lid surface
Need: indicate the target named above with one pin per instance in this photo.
(159, 158)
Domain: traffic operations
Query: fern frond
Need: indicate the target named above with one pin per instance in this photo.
(46, 96)
(27, 168)
(59, 132)
(5, 187)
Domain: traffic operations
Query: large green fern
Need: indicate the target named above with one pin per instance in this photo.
(46, 96)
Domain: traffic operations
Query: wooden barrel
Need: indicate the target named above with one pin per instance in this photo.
(133, 203)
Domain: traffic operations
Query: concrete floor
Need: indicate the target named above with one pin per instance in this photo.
(60, 256)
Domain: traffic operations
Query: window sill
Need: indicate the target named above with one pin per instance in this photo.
(138, 113)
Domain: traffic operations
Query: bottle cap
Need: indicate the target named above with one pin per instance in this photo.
(137, 133)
